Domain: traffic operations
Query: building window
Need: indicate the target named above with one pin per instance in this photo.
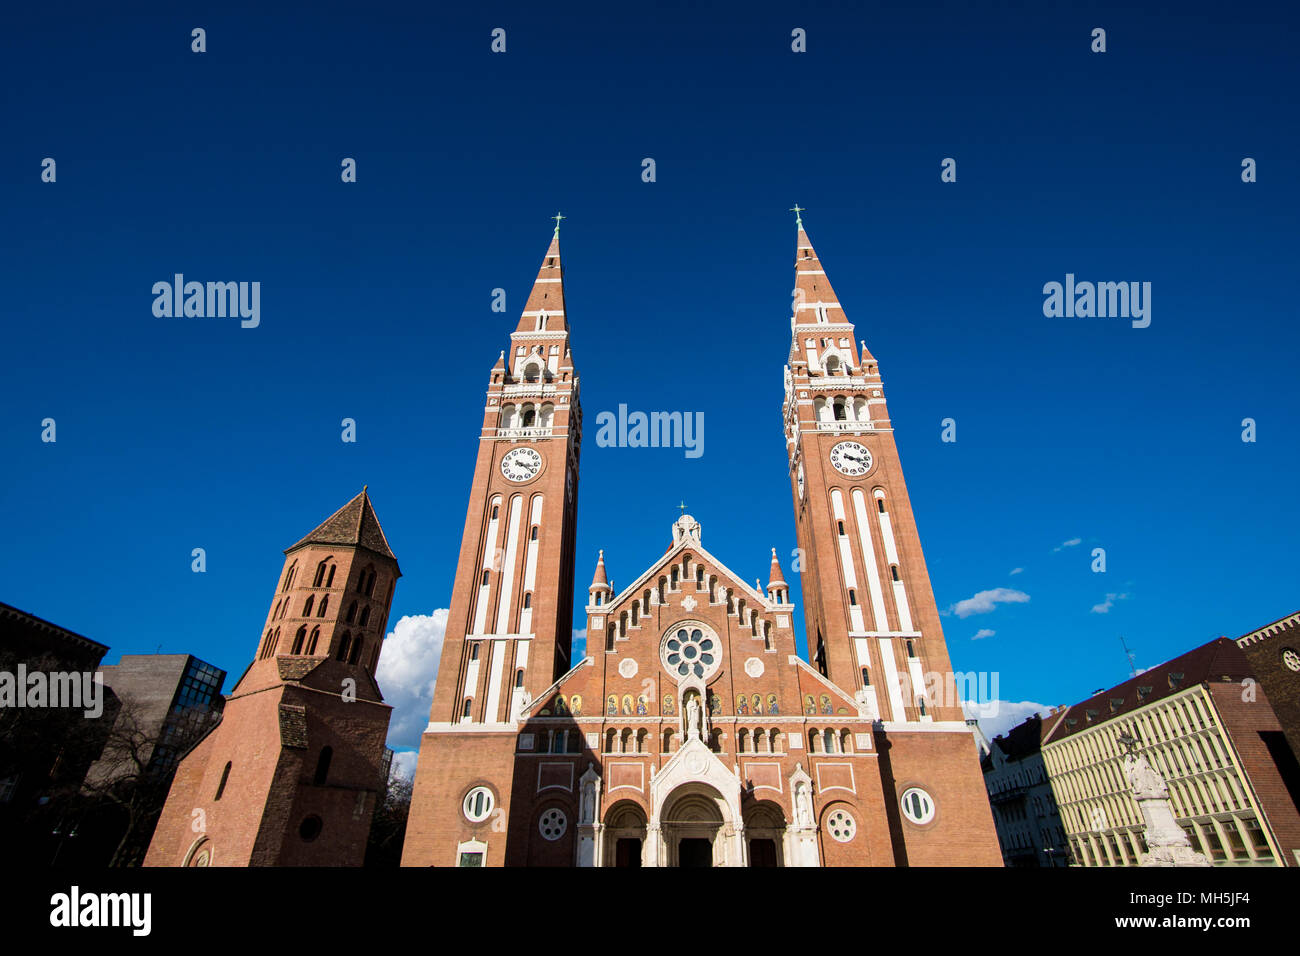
(306, 608)
(1291, 659)
(352, 613)
(365, 616)
(532, 535)
(465, 711)
(519, 679)
(528, 600)
(343, 646)
(221, 787)
(473, 651)
(893, 571)
(324, 606)
(918, 807)
(910, 651)
(311, 645)
(357, 645)
(853, 597)
(310, 828)
(842, 826)
(552, 824)
(485, 577)
(323, 766)
(478, 804)
(866, 677)
(298, 640)
(840, 525)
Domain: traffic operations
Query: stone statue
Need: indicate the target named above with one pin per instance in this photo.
(693, 718)
(588, 803)
(1142, 777)
(802, 814)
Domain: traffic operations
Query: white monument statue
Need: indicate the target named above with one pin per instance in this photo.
(1167, 844)
(693, 718)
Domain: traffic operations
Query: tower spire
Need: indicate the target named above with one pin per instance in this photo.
(546, 300)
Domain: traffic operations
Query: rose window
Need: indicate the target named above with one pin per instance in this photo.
(691, 651)
(553, 824)
(842, 826)
(1291, 659)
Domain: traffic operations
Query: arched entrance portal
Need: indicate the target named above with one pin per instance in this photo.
(625, 835)
(693, 825)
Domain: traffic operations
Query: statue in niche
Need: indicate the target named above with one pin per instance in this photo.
(589, 800)
(693, 717)
(802, 810)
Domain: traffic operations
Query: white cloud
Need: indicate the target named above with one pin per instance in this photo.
(1105, 606)
(579, 644)
(1073, 542)
(404, 764)
(408, 666)
(1015, 571)
(982, 633)
(998, 716)
(985, 601)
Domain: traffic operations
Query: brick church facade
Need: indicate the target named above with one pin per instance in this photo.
(291, 774)
(692, 733)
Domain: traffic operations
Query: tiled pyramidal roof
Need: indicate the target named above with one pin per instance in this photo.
(353, 524)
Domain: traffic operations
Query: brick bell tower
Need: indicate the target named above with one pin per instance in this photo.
(509, 629)
(292, 773)
(870, 614)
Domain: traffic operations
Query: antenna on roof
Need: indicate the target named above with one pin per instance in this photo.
(1132, 661)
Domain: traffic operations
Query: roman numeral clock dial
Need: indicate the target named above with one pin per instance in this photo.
(521, 464)
(851, 458)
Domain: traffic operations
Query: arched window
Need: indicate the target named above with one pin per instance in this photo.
(840, 525)
(531, 371)
(221, 787)
(742, 741)
(866, 677)
(320, 573)
(370, 584)
(920, 701)
(473, 650)
(344, 644)
(641, 740)
(276, 612)
(532, 535)
(357, 645)
(880, 504)
(329, 579)
(839, 402)
(465, 710)
(530, 416)
(298, 640)
(699, 574)
(365, 616)
(610, 737)
(307, 605)
(828, 741)
(853, 597)
(495, 511)
(519, 678)
(352, 613)
(485, 577)
(288, 577)
(315, 636)
(324, 605)
(833, 367)
(323, 766)
(846, 742)
(674, 576)
(266, 646)
(910, 651)
(609, 639)
(528, 599)
(626, 741)
(668, 741)
(893, 570)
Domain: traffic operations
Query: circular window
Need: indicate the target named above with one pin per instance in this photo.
(918, 807)
(690, 650)
(478, 804)
(310, 828)
(842, 826)
(1291, 659)
(553, 824)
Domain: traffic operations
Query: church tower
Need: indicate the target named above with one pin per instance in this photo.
(870, 615)
(292, 773)
(509, 630)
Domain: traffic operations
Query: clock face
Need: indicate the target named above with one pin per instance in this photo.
(799, 478)
(521, 464)
(851, 458)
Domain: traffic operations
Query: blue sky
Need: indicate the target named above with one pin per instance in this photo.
(175, 434)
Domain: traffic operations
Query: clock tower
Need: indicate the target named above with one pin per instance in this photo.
(871, 619)
(510, 622)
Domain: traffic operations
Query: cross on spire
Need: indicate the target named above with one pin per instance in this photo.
(557, 217)
(798, 219)
(682, 507)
